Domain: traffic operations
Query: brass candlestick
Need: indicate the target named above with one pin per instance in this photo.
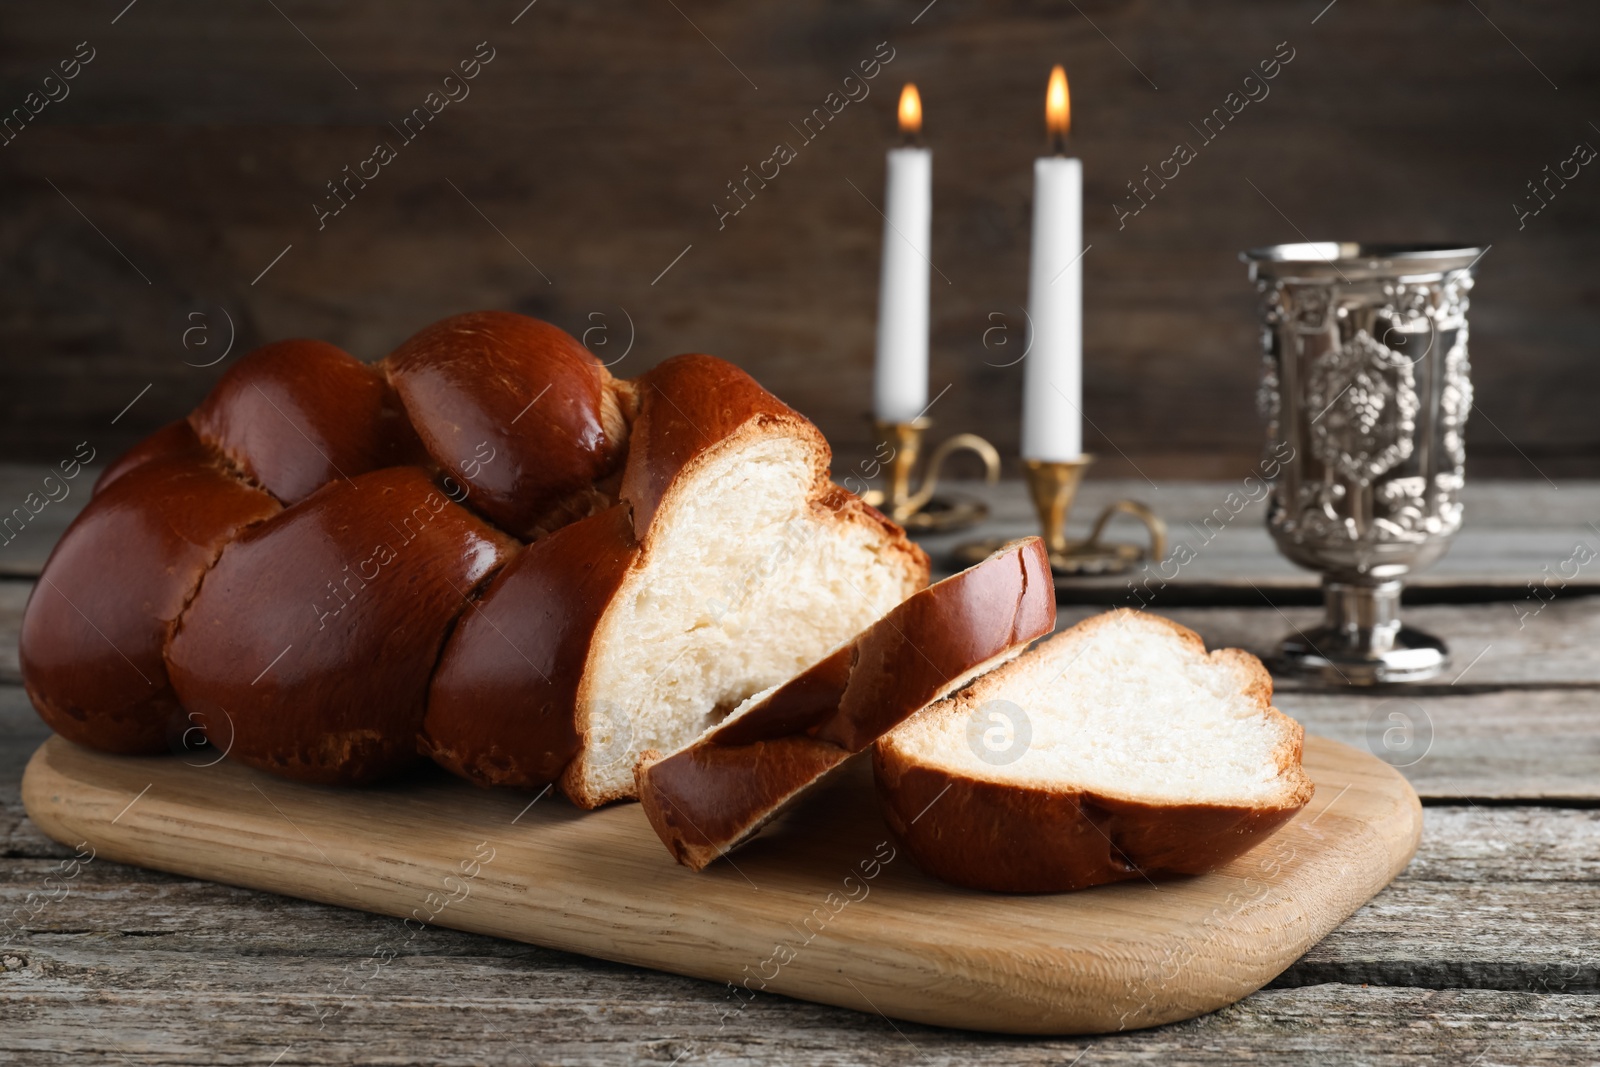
(922, 511)
(1053, 487)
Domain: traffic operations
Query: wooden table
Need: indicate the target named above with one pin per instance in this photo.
(1485, 951)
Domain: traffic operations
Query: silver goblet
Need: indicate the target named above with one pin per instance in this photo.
(1365, 388)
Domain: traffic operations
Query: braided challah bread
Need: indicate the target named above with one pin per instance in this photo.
(484, 549)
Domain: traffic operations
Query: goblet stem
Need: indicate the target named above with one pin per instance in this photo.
(1362, 641)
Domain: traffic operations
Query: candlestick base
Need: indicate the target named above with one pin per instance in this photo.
(1080, 560)
(1054, 486)
(922, 511)
(943, 514)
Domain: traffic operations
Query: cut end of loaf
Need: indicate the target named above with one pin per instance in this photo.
(1122, 724)
(752, 570)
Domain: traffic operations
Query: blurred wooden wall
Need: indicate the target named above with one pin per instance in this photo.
(593, 148)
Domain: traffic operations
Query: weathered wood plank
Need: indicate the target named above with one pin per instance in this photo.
(1490, 504)
(1522, 744)
(1496, 898)
(21, 731)
(1220, 550)
(449, 1012)
(26, 542)
(1490, 644)
(13, 598)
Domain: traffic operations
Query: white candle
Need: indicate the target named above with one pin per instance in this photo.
(1052, 387)
(900, 378)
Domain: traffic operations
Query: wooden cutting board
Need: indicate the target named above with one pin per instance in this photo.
(821, 906)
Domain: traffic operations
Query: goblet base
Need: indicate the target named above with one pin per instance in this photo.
(1354, 658)
(1361, 641)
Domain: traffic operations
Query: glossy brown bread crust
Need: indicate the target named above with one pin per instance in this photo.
(174, 440)
(707, 798)
(95, 631)
(687, 405)
(518, 411)
(281, 422)
(1017, 838)
(312, 639)
(500, 708)
(295, 415)
(285, 421)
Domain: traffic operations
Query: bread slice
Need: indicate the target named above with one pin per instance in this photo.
(729, 565)
(709, 797)
(1117, 749)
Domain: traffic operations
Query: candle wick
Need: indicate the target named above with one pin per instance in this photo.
(1058, 145)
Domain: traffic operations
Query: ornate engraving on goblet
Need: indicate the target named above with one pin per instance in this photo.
(1365, 388)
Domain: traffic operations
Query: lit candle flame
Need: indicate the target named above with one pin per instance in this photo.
(910, 111)
(1057, 105)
